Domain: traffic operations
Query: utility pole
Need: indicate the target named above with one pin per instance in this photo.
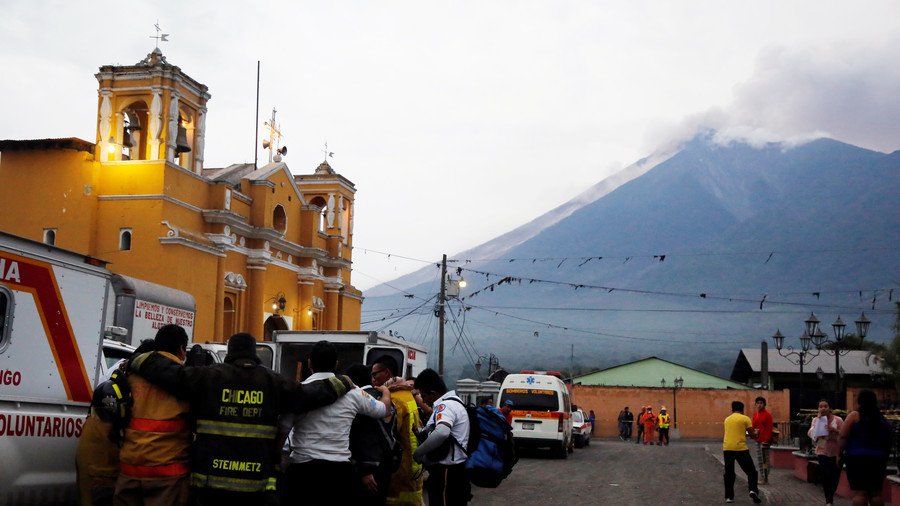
(572, 366)
(441, 298)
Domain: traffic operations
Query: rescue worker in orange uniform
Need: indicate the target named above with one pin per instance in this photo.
(640, 426)
(649, 426)
(154, 457)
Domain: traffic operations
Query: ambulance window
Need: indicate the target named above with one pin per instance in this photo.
(6, 304)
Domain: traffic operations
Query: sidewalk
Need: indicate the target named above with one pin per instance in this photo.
(783, 487)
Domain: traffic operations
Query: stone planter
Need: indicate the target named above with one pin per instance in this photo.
(806, 467)
(781, 457)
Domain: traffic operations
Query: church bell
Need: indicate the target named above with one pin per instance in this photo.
(181, 142)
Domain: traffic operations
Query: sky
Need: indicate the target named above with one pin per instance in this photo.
(459, 121)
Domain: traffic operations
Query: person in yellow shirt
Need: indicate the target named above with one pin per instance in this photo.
(737, 426)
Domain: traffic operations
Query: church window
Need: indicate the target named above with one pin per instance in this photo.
(50, 236)
(323, 208)
(279, 219)
(184, 139)
(125, 239)
(230, 314)
(134, 135)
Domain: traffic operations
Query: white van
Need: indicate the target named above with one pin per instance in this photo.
(65, 320)
(542, 411)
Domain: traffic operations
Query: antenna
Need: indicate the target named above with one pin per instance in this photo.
(160, 37)
(256, 123)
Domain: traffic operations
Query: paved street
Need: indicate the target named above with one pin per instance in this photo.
(613, 472)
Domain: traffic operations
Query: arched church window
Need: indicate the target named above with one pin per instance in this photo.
(185, 139)
(323, 208)
(125, 239)
(134, 134)
(279, 219)
(50, 236)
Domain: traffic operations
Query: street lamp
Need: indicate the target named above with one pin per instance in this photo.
(798, 357)
(493, 363)
(820, 339)
(679, 382)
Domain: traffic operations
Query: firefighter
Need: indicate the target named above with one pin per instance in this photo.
(236, 406)
(663, 426)
(97, 453)
(649, 426)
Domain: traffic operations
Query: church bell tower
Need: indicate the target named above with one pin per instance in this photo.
(151, 111)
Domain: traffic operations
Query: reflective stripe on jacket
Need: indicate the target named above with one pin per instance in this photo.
(158, 434)
(663, 421)
(237, 424)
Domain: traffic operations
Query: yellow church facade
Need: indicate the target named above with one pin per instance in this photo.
(258, 248)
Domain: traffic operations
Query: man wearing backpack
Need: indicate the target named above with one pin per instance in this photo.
(447, 431)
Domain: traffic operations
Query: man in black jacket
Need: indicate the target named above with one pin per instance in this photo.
(236, 407)
(371, 447)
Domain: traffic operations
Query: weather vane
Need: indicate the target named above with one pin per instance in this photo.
(327, 153)
(160, 37)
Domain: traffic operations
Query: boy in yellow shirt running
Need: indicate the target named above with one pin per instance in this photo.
(734, 446)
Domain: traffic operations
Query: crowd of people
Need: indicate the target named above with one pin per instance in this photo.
(236, 432)
(861, 444)
(648, 426)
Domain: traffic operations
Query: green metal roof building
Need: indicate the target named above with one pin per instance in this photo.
(650, 372)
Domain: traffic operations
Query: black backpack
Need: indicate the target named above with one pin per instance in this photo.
(112, 403)
(491, 451)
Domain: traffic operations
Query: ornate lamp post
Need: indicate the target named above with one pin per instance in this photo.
(798, 357)
(677, 383)
(820, 339)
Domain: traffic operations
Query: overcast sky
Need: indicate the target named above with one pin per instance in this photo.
(460, 120)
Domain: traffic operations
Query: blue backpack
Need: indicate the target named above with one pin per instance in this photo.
(491, 451)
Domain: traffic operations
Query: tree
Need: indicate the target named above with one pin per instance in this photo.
(888, 355)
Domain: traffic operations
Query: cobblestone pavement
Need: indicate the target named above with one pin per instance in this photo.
(615, 472)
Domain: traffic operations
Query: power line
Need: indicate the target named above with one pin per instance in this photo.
(509, 279)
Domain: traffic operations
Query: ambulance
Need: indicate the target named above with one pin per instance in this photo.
(292, 349)
(65, 320)
(541, 412)
(288, 352)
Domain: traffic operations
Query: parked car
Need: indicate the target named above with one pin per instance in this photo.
(581, 429)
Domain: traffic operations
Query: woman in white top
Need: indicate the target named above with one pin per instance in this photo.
(824, 431)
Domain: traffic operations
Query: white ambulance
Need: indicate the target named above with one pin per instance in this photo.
(354, 347)
(64, 321)
(541, 411)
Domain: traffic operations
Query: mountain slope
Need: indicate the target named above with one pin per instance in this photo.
(499, 246)
(787, 230)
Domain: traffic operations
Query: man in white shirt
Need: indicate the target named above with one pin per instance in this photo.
(320, 472)
(448, 436)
